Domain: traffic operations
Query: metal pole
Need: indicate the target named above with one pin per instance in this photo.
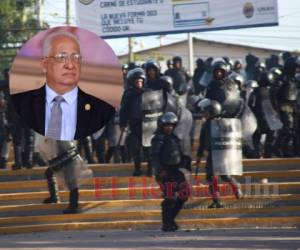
(191, 53)
(68, 12)
(130, 49)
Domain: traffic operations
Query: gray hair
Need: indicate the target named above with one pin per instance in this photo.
(47, 45)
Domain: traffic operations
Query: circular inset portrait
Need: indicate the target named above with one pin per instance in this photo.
(65, 83)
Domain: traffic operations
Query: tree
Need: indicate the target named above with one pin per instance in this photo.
(19, 22)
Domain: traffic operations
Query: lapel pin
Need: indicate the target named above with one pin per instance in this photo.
(87, 107)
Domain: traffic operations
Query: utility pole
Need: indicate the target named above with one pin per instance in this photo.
(39, 12)
(191, 53)
(130, 49)
(67, 12)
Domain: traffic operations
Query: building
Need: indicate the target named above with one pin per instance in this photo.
(203, 48)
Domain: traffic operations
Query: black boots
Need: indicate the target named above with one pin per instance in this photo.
(170, 209)
(216, 204)
(52, 187)
(168, 223)
(73, 202)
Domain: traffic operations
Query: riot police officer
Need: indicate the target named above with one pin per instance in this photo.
(287, 101)
(140, 110)
(178, 74)
(225, 91)
(198, 72)
(169, 164)
(221, 160)
(63, 159)
(251, 61)
(260, 103)
(153, 75)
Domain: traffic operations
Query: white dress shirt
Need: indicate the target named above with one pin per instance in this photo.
(69, 112)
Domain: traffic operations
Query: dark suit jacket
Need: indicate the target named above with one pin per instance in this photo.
(92, 113)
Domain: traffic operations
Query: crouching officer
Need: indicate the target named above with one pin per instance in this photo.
(64, 162)
(171, 168)
(221, 138)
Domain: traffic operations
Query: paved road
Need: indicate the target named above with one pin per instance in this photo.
(154, 239)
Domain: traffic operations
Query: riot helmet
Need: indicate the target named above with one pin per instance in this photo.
(220, 70)
(177, 62)
(132, 65)
(238, 65)
(152, 69)
(251, 84)
(135, 74)
(260, 66)
(277, 72)
(208, 62)
(291, 66)
(251, 59)
(266, 79)
(199, 63)
(169, 118)
(125, 69)
(238, 79)
(167, 122)
(167, 82)
(170, 63)
(229, 63)
(212, 107)
(285, 55)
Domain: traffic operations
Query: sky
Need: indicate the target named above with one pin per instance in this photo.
(286, 36)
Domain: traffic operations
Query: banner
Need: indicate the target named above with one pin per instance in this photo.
(123, 18)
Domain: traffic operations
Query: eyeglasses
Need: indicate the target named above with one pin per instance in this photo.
(63, 58)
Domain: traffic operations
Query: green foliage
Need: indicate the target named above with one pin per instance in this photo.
(19, 22)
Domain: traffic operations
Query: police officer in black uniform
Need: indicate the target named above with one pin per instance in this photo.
(225, 91)
(63, 158)
(287, 101)
(257, 99)
(178, 74)
(131, 114)
(4, 132)
(167, 159)
(153, 75)
(212, 110)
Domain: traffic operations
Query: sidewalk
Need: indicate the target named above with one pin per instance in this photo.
(155, 239)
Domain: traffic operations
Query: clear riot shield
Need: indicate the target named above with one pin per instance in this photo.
(152, 109)
(249, 125)
(226, 143)
(183, 130)
(66, 163)
(271, 116)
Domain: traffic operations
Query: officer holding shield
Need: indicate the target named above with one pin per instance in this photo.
(64, 161)
(221, 139)
(171, 169)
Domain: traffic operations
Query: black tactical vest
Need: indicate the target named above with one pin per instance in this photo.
(171, 154)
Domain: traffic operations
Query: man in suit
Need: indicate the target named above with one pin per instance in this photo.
(60, 109)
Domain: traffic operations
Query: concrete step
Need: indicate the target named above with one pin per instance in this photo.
(126, 169)
(150, 192)
(231, 222)
(150, 215)
(124, 181)
(259, 201)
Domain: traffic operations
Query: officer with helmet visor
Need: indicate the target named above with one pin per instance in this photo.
(222, 159)
(168, 161)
